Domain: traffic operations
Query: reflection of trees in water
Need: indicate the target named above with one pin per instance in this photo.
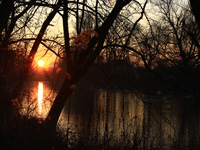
(175, 123)
(121, 118)
(188, 125)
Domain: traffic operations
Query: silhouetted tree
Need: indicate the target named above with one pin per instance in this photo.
(89, 52)
(182, 43)
(195, 4)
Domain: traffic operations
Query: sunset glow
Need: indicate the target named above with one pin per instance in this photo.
(41, 63)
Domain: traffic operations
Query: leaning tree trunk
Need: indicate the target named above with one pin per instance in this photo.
(28, 65)
(77, 69)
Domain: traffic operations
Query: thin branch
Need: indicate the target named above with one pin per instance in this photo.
(49, 48)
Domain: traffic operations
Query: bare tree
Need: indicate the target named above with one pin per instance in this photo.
(75, 70)
(181, 45)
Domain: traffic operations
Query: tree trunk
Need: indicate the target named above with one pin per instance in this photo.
(13, 23)
(77, 70)
(195, 5)
(60, 100)
(6, 8)
(28, 65)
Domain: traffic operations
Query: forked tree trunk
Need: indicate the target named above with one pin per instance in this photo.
(94, 48)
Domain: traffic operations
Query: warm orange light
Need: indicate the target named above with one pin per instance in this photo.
(40, 96)
(41, 63)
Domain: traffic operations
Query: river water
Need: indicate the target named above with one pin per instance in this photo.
(163, 122)
(37, 99)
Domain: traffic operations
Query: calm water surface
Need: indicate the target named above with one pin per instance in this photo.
(37, 99)
(158, 120)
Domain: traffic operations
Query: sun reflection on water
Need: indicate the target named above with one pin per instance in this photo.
(40, 97)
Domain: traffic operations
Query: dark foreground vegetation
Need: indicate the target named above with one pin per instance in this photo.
(29, 134)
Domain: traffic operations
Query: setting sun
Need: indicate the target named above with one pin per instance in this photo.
(41, 63)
